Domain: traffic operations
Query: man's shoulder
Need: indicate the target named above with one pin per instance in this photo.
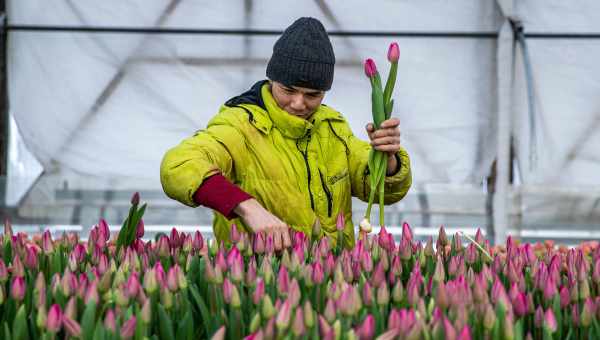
(242, 116)
(337, 121)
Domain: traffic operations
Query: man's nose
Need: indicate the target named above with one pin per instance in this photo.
(298, 102)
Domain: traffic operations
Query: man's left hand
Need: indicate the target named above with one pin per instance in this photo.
(386, 139)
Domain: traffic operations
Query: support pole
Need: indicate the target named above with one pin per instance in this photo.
(4, 122)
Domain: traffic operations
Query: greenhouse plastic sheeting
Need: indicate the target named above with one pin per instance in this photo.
(108, 105)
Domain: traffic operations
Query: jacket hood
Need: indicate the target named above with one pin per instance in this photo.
(252, 96)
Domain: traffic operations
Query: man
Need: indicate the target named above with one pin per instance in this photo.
(276, 157)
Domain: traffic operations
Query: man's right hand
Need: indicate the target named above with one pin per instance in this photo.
(259, 219)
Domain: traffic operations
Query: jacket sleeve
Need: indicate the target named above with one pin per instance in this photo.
(185, 167)
(396, 186)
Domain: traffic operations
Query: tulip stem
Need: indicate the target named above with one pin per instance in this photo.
(383, 163)
(477, 245)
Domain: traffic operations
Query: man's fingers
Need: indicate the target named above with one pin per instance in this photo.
(386, 141)
(390, 123)
(385, 132)
(388, 148)
(277, 238)
(287, 239)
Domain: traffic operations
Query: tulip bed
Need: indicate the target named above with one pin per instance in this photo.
(294, 287)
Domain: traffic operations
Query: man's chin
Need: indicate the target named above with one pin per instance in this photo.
(305, 115)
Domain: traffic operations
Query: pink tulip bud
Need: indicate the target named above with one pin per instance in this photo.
(175, 239)
(17, 288)
(413, 293)
(55, 319)
(367, 294)
(39, 290)
(298, 327)
(317, 274)
(393, 53)
(549, 289)
(565, 297)
(103, 229)
(520, 304)
(378, 275)
(398, 292)
(198, 242)
(441, 296)
(47, 243)
(151, 282)
(270, 244)
(133, 285)
(370, 68)
(251, 272)
(135, 199)
(471, 254)
(128, 328)
(575, 317)
(284, 316)
(31, 257)
(72, 327)
(367, 329)
(394, 319)
(489, 318)
(465, 334)
(449, 330)
(283, 280)
(407, 232)
(588, 312)
(340, 222)
(259, 291)
(539, 317)
(307, 311)
(8, 232)
(234, 234)
(457, 242)
(383, 294)
(294, 293)
(71, 308)
(266, 270)
(329, 313)
(227, 289)
(163, 246)
(405, 249)
(259, 243)
(109, 320)
(439, 274)
(550, 320)
(219, 334)
(102, 264)
(3, 272)
(17, 267)
(324, 326)
(220, 260)
(79, 252)
(139, 230)
(91, 293)
(172, 283)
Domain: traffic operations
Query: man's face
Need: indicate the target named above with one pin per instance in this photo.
(298, 101)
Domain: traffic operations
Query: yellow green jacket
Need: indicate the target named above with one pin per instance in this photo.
(299, 170)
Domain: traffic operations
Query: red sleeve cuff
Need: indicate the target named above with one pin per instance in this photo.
(218, 193)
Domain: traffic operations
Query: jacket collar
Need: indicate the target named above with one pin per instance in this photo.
(266, 112)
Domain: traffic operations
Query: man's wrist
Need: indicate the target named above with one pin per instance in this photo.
(243, 206)
(394, 165)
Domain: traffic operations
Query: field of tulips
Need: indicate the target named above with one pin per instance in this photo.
(292, 286)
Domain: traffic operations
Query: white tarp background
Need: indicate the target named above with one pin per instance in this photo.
(161, 88)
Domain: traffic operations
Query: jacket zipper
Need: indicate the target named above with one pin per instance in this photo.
(327, 193)
(305, 155)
